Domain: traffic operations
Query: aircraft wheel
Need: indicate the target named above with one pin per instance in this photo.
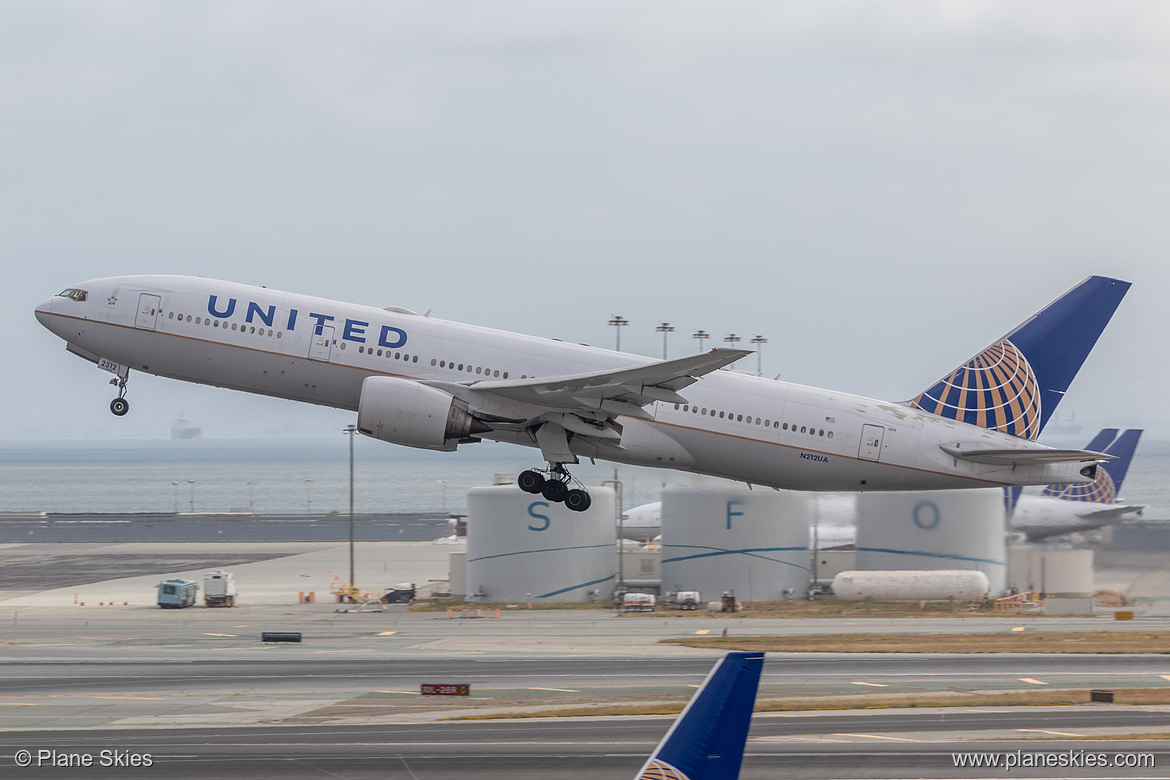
(530, 482)
(554, 490)
(119, 406)
(578, 500)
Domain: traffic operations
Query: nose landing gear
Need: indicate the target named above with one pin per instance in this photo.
(553, 483)
(119, 406)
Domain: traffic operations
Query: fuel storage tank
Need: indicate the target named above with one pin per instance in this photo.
(948, 529)
(718, 539)
(520, 545)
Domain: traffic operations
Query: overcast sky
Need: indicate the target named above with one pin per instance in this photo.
(880, 189)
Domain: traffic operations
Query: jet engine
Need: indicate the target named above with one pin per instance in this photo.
(402, 411)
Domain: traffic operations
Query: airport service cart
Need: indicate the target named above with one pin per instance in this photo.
(219, 589)
(177, 593)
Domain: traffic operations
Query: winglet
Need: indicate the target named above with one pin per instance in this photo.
(1014, 385)
(707, 740)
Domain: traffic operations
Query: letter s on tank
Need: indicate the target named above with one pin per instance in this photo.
(538, 516)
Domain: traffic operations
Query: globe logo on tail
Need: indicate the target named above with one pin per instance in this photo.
(658, 769)
(996, 389)
(1101, 491)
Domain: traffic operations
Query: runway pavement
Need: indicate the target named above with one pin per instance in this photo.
(595, 748)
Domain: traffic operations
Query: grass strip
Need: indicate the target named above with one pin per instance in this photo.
(1157, 642)
(1047, 698)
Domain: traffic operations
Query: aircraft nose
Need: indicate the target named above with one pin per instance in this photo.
(43, 311)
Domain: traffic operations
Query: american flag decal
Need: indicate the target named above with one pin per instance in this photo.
(830, 419)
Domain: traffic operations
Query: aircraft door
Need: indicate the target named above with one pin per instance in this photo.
(871, 442)
(321, 344)
(147, 311)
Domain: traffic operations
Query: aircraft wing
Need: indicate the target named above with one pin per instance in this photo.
(639, 385)
(554, 409)
(1022, 457)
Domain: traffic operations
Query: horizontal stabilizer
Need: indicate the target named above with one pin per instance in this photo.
(1111, 513)
(1001, 457)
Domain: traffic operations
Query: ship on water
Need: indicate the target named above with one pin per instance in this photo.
(182, 428)
(1065, 427)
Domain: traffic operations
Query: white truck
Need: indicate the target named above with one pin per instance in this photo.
(638, 602)
(219, 589)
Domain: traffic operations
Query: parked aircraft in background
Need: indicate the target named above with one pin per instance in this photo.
(434, 384)
(707, 740)
(1065, 509)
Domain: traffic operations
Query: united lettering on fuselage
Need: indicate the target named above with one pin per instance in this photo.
(389, 337)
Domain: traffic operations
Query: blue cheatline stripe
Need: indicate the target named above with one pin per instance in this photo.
(930, 555)
(551, 549)
(575, 587)
(751, 552)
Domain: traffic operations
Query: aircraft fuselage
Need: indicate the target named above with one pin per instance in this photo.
(319, 351)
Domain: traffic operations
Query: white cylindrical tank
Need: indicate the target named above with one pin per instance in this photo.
(939, 585)
(520, 545)
(1053, 571)
(951, 529)
(722, 539)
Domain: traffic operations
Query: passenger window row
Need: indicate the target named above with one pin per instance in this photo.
(748, 419)
(208, 322)
(362, 349)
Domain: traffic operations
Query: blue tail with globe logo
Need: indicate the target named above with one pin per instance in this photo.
(1015, 384)
(707, 740)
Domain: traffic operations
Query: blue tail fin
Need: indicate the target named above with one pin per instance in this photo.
(1110, 473)
(706, 742)
(1014, 385)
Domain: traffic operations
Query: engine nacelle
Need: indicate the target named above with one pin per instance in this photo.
(401, 411)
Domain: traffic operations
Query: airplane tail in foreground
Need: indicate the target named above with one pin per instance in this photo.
(707, 740)
(1110, 474)
(1014, 385)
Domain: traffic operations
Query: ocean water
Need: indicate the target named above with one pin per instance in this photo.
(290, 476)
(286, 476)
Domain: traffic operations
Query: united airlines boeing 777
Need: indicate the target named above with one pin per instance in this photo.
(434, 384)
(1066, 509)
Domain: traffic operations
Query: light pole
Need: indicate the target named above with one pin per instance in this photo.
(759, 341)
(702, 336)
(664, 328)
(176, 486)
(618, 322)
(617, 489)
(443, 485)
(308, 496)
(191, 482)
(351, 430)
(732, 339)
(251, 500)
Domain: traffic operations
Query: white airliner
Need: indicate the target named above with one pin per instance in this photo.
(435, 384)
(1066, 509)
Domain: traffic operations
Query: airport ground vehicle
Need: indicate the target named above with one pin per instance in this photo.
(638, 602)
(402, 593)
(219, 589)
(177, 593)
(688, 599)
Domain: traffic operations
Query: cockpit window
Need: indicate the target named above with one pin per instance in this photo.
(73, 293)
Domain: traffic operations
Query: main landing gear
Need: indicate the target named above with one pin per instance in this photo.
(119, 406)
(553, 483)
